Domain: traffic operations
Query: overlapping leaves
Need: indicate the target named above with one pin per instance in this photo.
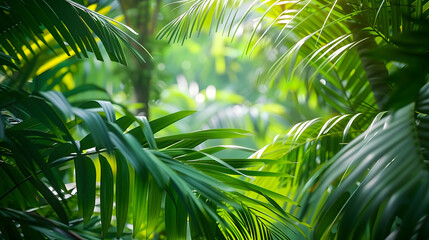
(41, 136)
(74, 27)
(326, 41)
(377, 186)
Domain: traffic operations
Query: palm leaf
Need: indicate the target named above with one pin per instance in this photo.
(320, 35)
(167, 172)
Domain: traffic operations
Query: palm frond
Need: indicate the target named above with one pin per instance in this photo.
(126, 156)
(308, 146)
(333, 39)
(375, 183)
(74, 27)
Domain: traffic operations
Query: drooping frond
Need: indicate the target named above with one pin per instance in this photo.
(74, 27)
(328, 41)
(316, 34)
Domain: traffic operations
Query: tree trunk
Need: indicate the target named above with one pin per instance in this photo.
(376, 71)
(139, 16)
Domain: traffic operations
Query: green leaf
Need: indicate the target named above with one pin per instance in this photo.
(83, 89)
(48, 227)
(30, 233)
(382, 166)
(33, 154)
(70, 24)
(147, 204)
(51, 199)
(106, 195)
(122, 192)
(108, 110)
(147, 131)
(154, 200)
(106, 106)
(189, 140)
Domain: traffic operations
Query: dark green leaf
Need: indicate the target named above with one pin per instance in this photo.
(85, 184)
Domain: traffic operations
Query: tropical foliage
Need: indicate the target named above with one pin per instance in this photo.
(77, 167)
(360, 174)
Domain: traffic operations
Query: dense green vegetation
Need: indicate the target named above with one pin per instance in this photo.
(109, 132)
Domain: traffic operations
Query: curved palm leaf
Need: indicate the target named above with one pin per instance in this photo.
(362, 189)
(33, 226)
(333, 37)
(375, 183)
(51, 130)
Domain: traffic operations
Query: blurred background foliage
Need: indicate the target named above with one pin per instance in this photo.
(79, 164)
(71, 119)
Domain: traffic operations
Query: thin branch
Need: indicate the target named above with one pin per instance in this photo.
(17, 184)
